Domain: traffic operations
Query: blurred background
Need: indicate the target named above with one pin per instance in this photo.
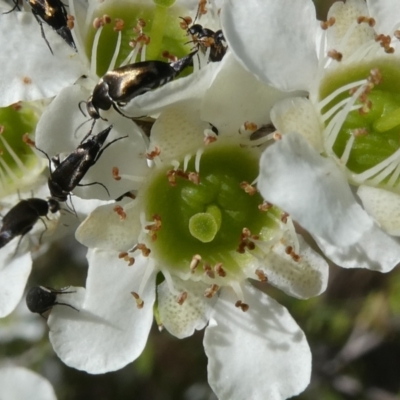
(353, 330)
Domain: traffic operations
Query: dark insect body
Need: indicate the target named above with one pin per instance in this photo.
(119, 86)
(205, 38)
(40, 299)
(68, 173)
(54, 14)
(22, 217)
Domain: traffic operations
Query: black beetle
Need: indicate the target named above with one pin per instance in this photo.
(68, 173)
(21, 218)
(52, 12)
(119, 86)
(40, 299)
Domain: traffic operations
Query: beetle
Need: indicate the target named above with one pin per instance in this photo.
(54, 14)
(41, 299)
(23, 216)
(119, 86)
(68, 173)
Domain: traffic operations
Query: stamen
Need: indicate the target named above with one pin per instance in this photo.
(261, 275)
(139, 301)
(14, 156)
(195, 262)
(218, 268)
(116, 52)
(211, 291)
(182, 298)
(117, 176)
(186, 161)
(251, 190)
(127, 258)
(144, 249)
(208, 271)
(120, 211)
(243, 306)
(170, 282)
(347, 150)
(199, 153)
(265, 206)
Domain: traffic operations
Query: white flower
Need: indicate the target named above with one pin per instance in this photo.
(19, 383)
(348, 127)
(205, 237)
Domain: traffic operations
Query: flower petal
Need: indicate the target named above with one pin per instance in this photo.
(181, 320)
(109, 331)
(15, 269)
(20, 383)
(259, 354)
(316, 195)
(387, 21)
(30, 71)
(267, 35)
(383, 206)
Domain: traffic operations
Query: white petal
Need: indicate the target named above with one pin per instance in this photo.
(14, 273)
(182, 320)
(259, 354)
(302, 279)
(191, 87)
(298, 115)
(29, 71)
(104, 229)
(275, 40)
(19, 383)
(316, 195)
(387, 19)
(109, 331)
(247, 100)
(383, 206)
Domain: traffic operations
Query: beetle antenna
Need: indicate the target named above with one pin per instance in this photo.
(80, 126)
(80, 107)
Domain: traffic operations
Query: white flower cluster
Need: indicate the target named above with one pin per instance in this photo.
(284, 122)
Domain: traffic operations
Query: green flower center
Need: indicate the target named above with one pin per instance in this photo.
(17, 158)
(370, 135)
(207, 218)
(161, 26)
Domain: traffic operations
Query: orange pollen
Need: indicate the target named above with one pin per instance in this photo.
(261, 275)
(335, 55)
(119, 24)
(327, 24)
(27, 140)
(144, 249)
(181, 298)
(154, 153)
(370, 21)
(249, 189)
(243, 306)
(125, 256)
(250, 126)
(208, 271)
(115, 173)
(220, 270)
(120, 211)
(210, 292)
(139, 301)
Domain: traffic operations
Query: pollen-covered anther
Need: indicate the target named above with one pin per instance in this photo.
(243, 306)
(144, 249)
(265, 206)
(173, 174)
(218, 268)
(182, 298)
(396, 34)
(120, 211)
(246, 241)
(368, 20)
(251, 190)
(375, 76)
(250, 126)
(327, 24)
(211, 138)
(277, 136)
(119, 24)
(208, 271)
(141, 23)
(185, 22)
(154, 153)
(194, 177)
(284, 217)
(384, 41)
(210, 292)
(115, 174)
(335, 55)
(195, 262)
(99, 22)
(360, 132)
(124, 255)
(25, 138)
(154, 227)
(138, 299)
(202, 7)
(261, 275)
(70, 21)
(289, 250)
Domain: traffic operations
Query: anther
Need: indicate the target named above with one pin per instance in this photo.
(144, 249)
(139, 301)
(202, 7)
(119, 24)
(208, 271)
(70, 21)
(277, 136)
(360, 132)
(210, 292)
(127, 258)
(210, 138)
(284, 217)
(261, 275)
(289, 250)
(195, 262)
(375, 76)
(265, 206)
(182, 298)
(115, 174)
(218, 268)
(185, 23)
(251, 190)
(194, 177)
(169, 56)
(327, 24)
(120, 211)
(154, 153)
(243, 306)
(25, 138)
(370, 21)
(154, 227)
(250, 126)
(335, 55)
(397, 34)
